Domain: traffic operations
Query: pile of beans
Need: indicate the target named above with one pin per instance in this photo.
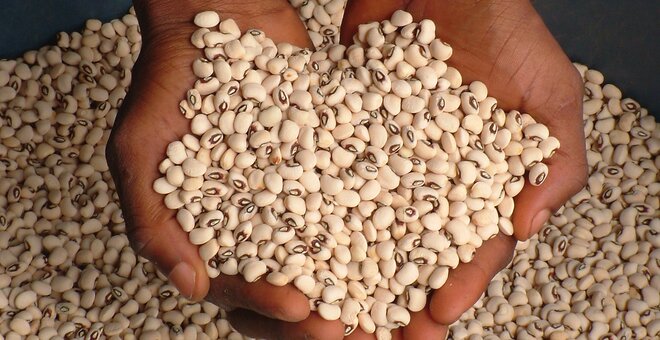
(322, 19)
(362, 175)
(67, 270)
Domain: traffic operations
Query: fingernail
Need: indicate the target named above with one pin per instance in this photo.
(538, 221)
(183, 277)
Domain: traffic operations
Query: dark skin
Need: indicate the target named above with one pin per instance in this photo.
(502, 43)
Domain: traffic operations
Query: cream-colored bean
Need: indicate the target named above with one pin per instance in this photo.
(207, 19)
(407, 274)
(538, 173)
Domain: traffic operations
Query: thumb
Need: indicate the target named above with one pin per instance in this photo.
(166, 244)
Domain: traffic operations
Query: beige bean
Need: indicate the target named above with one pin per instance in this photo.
(207, 19)
(538, 173)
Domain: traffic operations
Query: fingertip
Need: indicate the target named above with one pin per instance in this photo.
(183, 276)
(190, 279)
(183, 267)
(447, 313)
(463, 288)
(202, 284)
(538, 221)
(292, 305)
(467, 282)
(258, 326)
(296, 310)
(535, 204)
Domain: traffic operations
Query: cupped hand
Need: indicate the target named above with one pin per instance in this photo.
(505, 44)
(463, 288)
(150, 119)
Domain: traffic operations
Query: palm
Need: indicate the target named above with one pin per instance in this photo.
(508, 47)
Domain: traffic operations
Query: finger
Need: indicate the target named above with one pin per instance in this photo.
(567, 168)
(153, 232)
(468, 281)
(282, 303)
(363, 11)
(182, 267)
(535, 204)
(258, 326)
(152, 228)
(422, 327)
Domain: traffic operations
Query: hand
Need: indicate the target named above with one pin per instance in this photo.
(463, 288)
(149, 120)
(505, 44)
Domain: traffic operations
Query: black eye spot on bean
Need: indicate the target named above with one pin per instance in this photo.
(493, 128)
(393, 128)
(410, 134)
(239, 184)
(379, 76)
(518, 118)
(473, 103)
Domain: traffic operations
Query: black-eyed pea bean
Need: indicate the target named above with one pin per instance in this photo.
(400, 19)
(347, 198)
(470, 106)
(342, 157)
(538, 173)
(407, 214)
(448, 123)
(413, 180)
(366, 170)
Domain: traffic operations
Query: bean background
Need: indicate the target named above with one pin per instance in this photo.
(615, 37)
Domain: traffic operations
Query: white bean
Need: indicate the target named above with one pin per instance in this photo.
(207, 19)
